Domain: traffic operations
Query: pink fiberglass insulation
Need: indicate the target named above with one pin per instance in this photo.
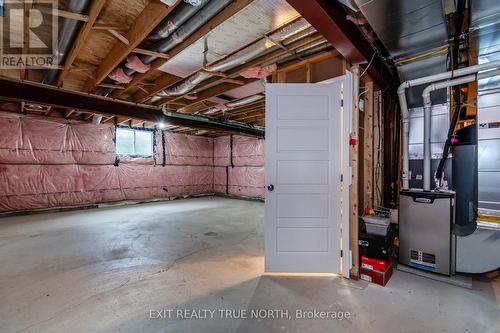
(222, 151)
(248, 151)
(220, 179)
(41, 186)
(133, 62)
(259, 72)
(35, 140)
(119, 76)
(246, 181)
(183, 149)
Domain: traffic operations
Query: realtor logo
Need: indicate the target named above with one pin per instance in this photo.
(28, 33)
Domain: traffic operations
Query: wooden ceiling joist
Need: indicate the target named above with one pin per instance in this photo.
(216, 91)
(80, 40)
(68, 113)
(147, 20)
(164, 82)
(214, 22)
(151, 53)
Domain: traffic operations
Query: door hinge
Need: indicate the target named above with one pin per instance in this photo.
(341, 103)
(341, 253)
(341, 178)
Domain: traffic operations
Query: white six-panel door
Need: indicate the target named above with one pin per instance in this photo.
(304, 165)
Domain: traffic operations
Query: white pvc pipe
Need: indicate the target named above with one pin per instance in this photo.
(404, 107)
(426, 96)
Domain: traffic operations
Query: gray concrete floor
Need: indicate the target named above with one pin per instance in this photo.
(103, 270)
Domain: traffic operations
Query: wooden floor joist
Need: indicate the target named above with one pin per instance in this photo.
(81, 39)
(147, 20)
(214, 22)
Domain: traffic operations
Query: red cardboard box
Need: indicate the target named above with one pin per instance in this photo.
(375, 264)
(380, 278)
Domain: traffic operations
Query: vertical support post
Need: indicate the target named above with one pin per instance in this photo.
(353, 188)
(368, 145)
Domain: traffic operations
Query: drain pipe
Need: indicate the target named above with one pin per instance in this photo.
(426, 95)
(405, 115)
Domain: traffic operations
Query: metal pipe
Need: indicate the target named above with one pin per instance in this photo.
(67, 33)
(404, 107)
(426, 96)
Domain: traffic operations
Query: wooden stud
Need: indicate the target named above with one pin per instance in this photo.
(368, 146)
(353, 188)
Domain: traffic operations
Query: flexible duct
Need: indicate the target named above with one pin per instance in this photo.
(234, 104)
(405, 115)
(242, 56)
(426, 96)
(67, 33)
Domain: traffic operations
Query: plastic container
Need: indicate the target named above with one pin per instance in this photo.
(376, 225)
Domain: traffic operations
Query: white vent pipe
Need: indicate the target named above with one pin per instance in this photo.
(404, 107)
(426, 96)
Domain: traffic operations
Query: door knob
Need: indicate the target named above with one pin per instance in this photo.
(270, 187)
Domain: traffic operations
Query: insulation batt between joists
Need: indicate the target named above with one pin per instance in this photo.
(246, 176)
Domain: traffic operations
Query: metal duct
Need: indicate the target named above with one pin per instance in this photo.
(179, 16)
(234, 104)
(67, 33)
(242, 56)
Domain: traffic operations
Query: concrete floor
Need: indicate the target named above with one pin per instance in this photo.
(103, 270)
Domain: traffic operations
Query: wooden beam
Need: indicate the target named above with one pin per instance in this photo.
(330, 18)
(81, 39)
(68, 113)
(147, 20)
(103, 26)
(112, 86)
(119, 36)
(65, 14)
(231, 9)
(216, 91)
(36, 93)
(151, 53)
(49, 108)
(26, 38)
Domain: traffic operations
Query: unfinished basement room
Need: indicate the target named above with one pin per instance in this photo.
(275, 166)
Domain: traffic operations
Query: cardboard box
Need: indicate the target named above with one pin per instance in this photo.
(377, 277)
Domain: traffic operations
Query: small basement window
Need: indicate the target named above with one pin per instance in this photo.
(134, 142)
